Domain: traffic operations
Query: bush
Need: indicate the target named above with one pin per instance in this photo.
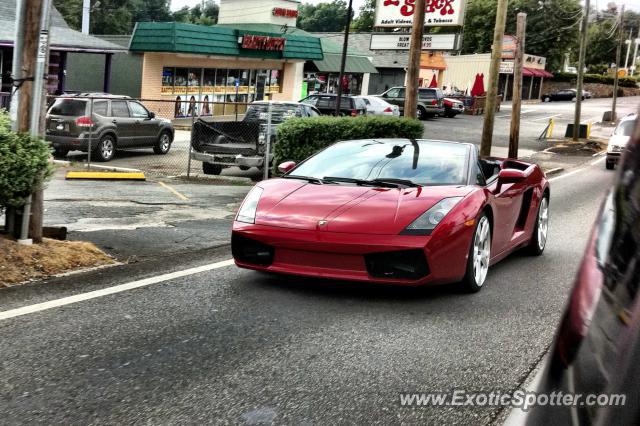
(23, 161)
(595, 78)
(299, 138)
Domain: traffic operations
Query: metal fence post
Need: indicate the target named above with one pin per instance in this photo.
(90, 134)
(193, 119)
(268, 142)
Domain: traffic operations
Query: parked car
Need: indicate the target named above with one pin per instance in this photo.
(619, 139)
(430, 101)
(595, 355)
(326, 104)
(587, 94)
(243, 143)
(104, 123)
(561, 95)
(452, 107)
(394, 211)
(378, 106)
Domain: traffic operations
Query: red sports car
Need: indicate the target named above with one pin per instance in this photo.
(394, 211)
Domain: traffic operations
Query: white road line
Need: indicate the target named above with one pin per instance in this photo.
(573, 172)
(545, 118)
(111, 290)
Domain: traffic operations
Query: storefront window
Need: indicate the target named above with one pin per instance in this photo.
(208, 79)
(195, 75)
(232, 76)
(167, 80)
(180, 82)
(274, 81)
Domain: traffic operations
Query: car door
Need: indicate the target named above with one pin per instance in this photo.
(123, 122)
(507, 201)
(395, 96)
(325, 106)
(145, 129)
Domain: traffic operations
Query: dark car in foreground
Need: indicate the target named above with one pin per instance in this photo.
(394, 211)
(104, 123)
(326, 103)
(561, 95)
(242, 143)
(430, 101)
(596, 352)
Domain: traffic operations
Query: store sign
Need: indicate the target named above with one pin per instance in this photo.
(285, 13)
(438, 13)
(403, 42)
(508, 47)
(506, 67)
(532, 61)
(258, 42)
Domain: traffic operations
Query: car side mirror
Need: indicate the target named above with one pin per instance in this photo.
(286, 167)
(510, 176)
(152, 114)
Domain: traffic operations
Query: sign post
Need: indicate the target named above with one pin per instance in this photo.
(514, 132)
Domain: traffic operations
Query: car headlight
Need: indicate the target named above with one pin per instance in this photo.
(247, 212)
(427, 221)
(262, 138)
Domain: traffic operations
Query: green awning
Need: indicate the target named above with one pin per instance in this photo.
(354, 64)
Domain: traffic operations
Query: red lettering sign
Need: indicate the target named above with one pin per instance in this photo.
(287, 13)
(444, 7)
(257, 42)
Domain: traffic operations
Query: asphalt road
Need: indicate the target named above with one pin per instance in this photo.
(230, 346)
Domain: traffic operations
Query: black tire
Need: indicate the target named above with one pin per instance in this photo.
(573, 99)
(536, 247)
(211, 169)
(106, 149)
(469, 281)
(421, 114)
(163, 144)
(610, 165)
(546, 99)
(60, 152)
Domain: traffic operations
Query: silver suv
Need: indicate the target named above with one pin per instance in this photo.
(116, 122)
(430, 101)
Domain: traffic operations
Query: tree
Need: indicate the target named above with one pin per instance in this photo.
(553, 27)
(207, 15)
(324, 17)
(364, 21)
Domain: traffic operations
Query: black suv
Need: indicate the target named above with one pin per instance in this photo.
(430, 101)
(326, 104)
(117, 122)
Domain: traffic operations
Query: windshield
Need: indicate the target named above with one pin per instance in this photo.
(421, 162)
(626, 128)
(280, 112)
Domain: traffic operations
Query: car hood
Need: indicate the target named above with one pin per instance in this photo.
(619, 140)
(290, 203)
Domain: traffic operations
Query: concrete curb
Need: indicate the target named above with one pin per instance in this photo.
(554, 171)
(105, 175)
(108, 168)
(236, 179)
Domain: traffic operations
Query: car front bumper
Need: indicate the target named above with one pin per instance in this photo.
(614, 157)
(425, 259)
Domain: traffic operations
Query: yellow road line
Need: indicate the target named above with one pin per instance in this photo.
(177, 194)
(106, 175)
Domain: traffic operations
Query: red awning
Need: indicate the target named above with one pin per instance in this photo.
(534, 72)
(547, 74)
(527, 72)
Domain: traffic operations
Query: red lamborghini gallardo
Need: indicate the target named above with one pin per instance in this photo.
(393, 211)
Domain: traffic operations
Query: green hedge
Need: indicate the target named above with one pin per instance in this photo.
(299, 138)
(596, 78)
(23, 160)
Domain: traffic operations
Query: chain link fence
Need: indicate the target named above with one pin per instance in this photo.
(155, 135)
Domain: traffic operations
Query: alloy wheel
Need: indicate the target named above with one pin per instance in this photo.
(543, 223)
(165, 142)
(106, 148)
(481, 250)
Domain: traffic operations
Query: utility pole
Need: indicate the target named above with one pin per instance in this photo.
(343, 60)
(86, 15)
(413, 71)
(33, 39)
(616, 76)
(492, 93)
(628, 43)
(514, 133)
(581, 59)
(635, 55)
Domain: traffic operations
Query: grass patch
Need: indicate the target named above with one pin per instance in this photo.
(20, 263)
